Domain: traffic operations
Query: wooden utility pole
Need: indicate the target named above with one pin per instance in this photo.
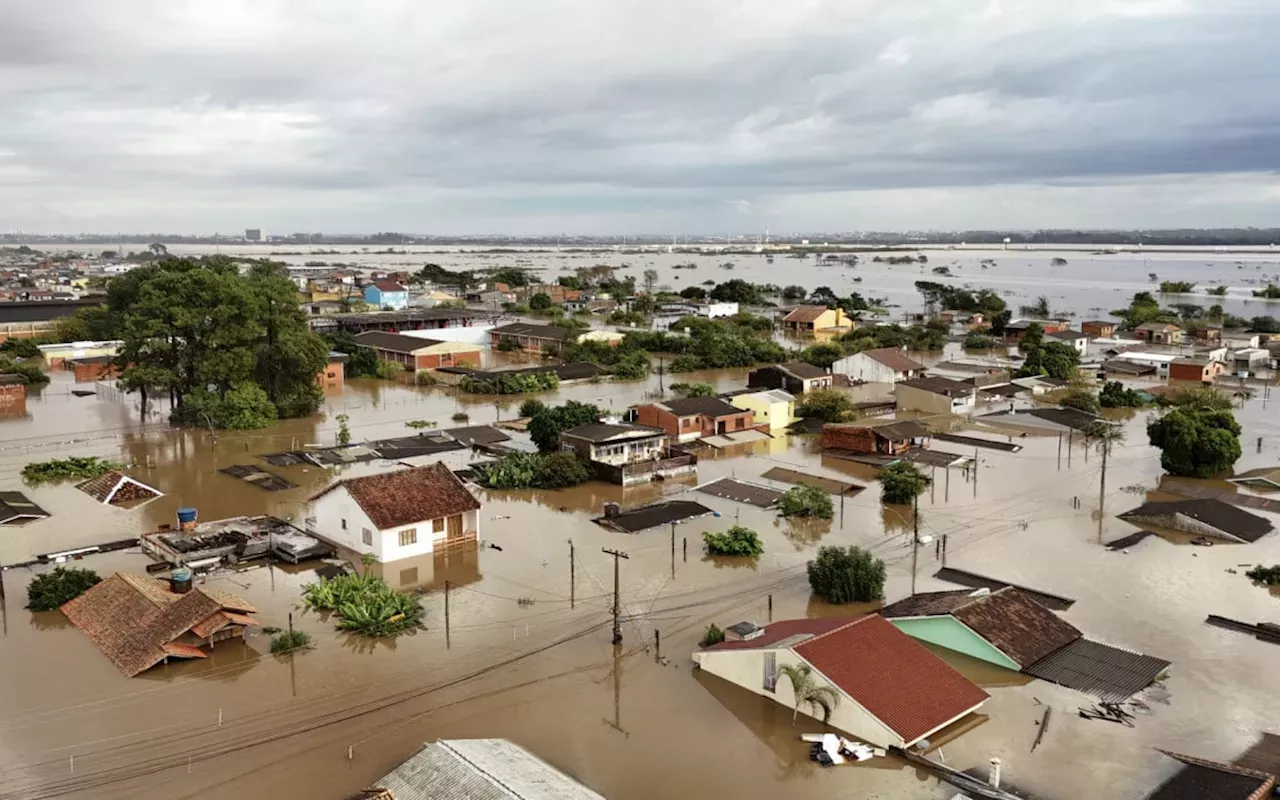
(617, 601)
(573, 575)
(447, 642)
(915, 538)
(1102, 488)
(673, 549)
(1059, 451)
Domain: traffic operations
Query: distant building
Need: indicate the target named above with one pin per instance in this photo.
(1207, 334)
(1098, 329)
(1203, 370)
(628, 454)
(692, 418)
(774, 410)
(417, 354)
(884, 365)
(1015, 330)
(1158, 333)
(529, 336)
(796, 377)
(255, 235)
(334, 374)
(811, 319)
(386, 295)
(935, 396)
(395, 515)
(714, 310)
(1076, 340)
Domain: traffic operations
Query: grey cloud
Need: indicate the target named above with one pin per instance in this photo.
(487, 111)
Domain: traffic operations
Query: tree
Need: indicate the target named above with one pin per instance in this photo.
(344, 433)
(979, 340)
(822, 354)
(806, 501)
(693, 389)
(738, 291)
(714, 635)
(1205, 397)
(846, 575)
(650, 280)
(824, 296)
(531, 407)
(1196, 442)
(48, 591)
(828, 405)
(1114, 394)
(546, 425)
(695, 293)
(793, 293)
(1082, 400)
(901, 483)
(737, 541)
(807, 691)
(158, 250)
(1040, 309)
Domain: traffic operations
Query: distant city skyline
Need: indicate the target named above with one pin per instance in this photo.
(712, 116)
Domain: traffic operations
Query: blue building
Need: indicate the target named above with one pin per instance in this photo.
(386, 294)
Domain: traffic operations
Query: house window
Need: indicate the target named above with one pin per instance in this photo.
(367, 536)
(408, 536)
(770, 677)
(437, 525)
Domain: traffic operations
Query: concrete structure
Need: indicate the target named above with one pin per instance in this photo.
(255, 235)
(892, 691)
(416, 354)
(1207, 334)
(888, 439)
(796, 377)
(691, 418)
(92, 368)
(476, 769)
(1240, 340)
(1250, 359)
(628, 454)
(1203, 370)
(884, 365)
(55, 354)
(1098, 328)
(714, 310)
(1016, 329)
(1160, 361)
(773, 410)
(1073, 339)
(811, 319)
(386, 295)
(528, 336)
(13, 393)
(334, 374)
(399, 514)
(1158, 333)
(935, 396)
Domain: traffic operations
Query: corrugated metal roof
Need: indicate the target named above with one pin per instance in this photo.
(480, 769)
(1107, 672)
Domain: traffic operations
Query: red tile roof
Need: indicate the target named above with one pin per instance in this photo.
(407, 496)
(388, 286)
(805, 314)
(892, 676)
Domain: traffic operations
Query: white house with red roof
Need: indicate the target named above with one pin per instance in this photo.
(893, 692)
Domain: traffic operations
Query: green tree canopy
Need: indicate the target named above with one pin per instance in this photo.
(846, 575)
(901, 482)
(547, 425)
(1196, 442)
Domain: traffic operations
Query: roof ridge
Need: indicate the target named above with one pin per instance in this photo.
(978, 598)
(836, 629)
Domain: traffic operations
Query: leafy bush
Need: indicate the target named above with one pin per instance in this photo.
(20, 348)
(806, 501)
(976, 340)
(49, 590)
(1082, 400)
(245, 406)
(693, 389)
(901, 483)
(846, 575)
(546, 425)
(460, 416)
(288, 641)
(64, 469)
(1267, 576)
(714, 635)
(420, 424)
(533, 471)
(364, 604)
(540, 301)
(737, 541)
(510, 383)
(1177, 287)
(1272, 292)
(30, 372)
(531, 407)
(1196, 442)
(508, 345)
(828, 405)
(1114, 394)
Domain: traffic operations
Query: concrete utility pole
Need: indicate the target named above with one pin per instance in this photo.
(617, 602)
(447, 642)
(1102, 488)
(573, 575)
(915, 538)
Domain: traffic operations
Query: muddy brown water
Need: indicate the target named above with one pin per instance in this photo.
(629, 723)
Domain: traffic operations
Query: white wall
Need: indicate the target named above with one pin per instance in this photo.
(859, 367)
(476, 334)
(746, 669)
(910, 398)
(328, 513)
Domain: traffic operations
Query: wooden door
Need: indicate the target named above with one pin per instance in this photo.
(454, 526)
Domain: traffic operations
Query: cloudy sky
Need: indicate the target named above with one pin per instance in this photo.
(626, 116)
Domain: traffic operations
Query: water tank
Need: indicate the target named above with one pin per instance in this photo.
(180, 580)
(611, 510)
(186, 519)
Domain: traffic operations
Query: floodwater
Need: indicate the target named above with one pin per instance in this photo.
(526, 653)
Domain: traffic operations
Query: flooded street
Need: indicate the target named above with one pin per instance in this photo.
(527, 654)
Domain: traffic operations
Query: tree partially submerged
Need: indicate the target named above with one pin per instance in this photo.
(546, 426)
(532, 471)
(364, 604)
(48, 591)
(808, 691)
(806, 501)
(901, 483)
(737, 541)
(828, 405)
(846, 575)
(1196, 442)
(1115, 394)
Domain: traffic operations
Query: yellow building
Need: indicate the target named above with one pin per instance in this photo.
(608, 337)
(812, 319)
(55, 354)
(774, 409)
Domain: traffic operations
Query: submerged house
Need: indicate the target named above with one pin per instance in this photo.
(1203, 516)
(114, 488)
(1202, 779)
(796, 378)
(771, 410)
(628, 454)
(690, 418)
(138, 622)
(811, 319)
(883, 365)
(1010, 629)
(399, 514)
(892, 691)
(891, 439)
(475, 769)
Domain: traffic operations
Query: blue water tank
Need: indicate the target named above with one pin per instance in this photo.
(180, 574)
(186, 515)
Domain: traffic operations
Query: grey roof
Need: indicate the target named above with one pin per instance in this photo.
(651, 516)
(942, 386)
(606, 431)
(1232, 521)
(742, 492)
(477, 434)
(1109, 673)
(393, 342)
(480, 769)
(534, 331)
(802, 370)
(15, 508)
(1067, 335)
(701, 406)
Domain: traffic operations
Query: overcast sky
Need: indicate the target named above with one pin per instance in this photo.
(626, 116)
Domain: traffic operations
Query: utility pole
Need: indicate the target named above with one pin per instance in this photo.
(447, 642)
(573, 575)
(1102, 488)
(915, 537)
(661, 371)
(617, 602)
(673, 550)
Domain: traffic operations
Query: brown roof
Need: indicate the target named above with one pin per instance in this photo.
(805, 314)
(406, 496)
(894, 359)
(804, 371)
(1009, 619)
(116, 488)
(388, 286)
(892, 676)
(393, 342)
(133, 619)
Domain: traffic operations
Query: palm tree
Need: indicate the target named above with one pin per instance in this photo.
(1104, 434)
(807, 690)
